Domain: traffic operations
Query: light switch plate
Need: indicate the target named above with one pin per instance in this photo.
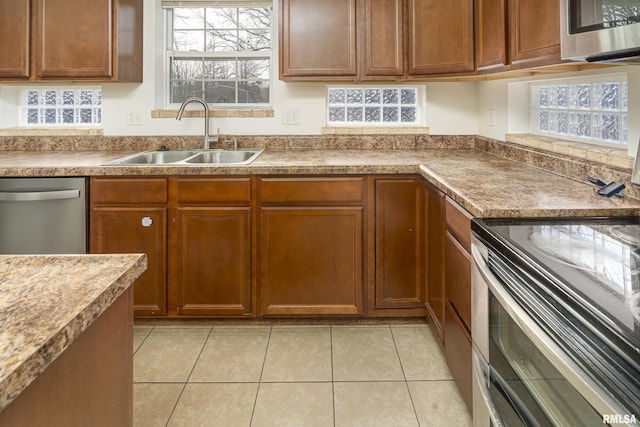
(291, 116)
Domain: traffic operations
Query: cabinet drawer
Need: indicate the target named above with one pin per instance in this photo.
(457, 273)
(458, 223)
(311, 190)
(213, 190)
(458, 352)
(128, 190)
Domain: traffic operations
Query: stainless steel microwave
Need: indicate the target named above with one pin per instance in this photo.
(600, 30)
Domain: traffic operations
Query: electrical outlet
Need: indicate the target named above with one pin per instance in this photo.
(291, 116)
(492, 118)
(134, 118)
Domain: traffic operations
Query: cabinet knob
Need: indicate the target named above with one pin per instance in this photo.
(147, 221)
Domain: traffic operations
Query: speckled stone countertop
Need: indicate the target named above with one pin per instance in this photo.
(46, 302)
(486, 185)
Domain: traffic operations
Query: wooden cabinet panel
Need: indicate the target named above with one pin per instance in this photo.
(135, 230)
(458, 352)
(434, 262)
(399, 218)
(490, 34)
(383, 38)
(213, 261)
(318, 38)
(534, 32)
(440, 37)
(213, 190)
(129, 190)
(311, 261)
(458, 223)
(311, 190)
(15, 30)
(457, 273)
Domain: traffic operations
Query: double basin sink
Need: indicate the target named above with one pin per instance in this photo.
(189, 157)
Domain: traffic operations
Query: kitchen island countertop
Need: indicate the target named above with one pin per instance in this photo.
(46, 302)
(486, 185)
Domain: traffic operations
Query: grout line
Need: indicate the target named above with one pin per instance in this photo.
(264, 361)
(333, 382)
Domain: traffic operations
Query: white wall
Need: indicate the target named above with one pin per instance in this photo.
(450, 106)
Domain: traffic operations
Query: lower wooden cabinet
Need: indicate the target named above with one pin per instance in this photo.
(458, 352)
(130, 216)
(213, 261)
(434, 262)
(399, 246)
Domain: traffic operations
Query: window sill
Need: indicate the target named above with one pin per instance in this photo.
(229, 113)
(376, 130)
(59, 131)
(610, 156)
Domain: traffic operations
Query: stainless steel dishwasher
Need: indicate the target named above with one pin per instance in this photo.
(43, 216)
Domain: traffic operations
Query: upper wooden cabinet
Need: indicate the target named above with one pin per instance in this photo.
(100, 40)
(383, 39)
(534, 32)
(440, 37)
(490, 34)
(318, 39)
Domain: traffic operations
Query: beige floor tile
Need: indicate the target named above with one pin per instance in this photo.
(140, 333)
(373, 404)
(298, 354)
(215, 404)
(153, 403)
(168, 354)
(294, 404)
(232, 355)
(364, 354)
(438, 403)
(420, 353)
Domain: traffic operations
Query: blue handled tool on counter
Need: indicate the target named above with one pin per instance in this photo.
(611, 189)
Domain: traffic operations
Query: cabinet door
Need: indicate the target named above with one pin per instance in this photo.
(14, 38)
(435, 260)
(399, 243)
(73, 38)
(135, 230)
(311, 260)
(318, 38)
(384, 38)
(490, 34)
(534, 32)
(458, 353)
(213, 261)
(440, 37)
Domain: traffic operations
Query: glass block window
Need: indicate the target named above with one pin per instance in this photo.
(221, 54)
(61, 106)
(594, 111)
(372, 106)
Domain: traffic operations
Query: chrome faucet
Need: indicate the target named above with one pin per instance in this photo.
(206, 117)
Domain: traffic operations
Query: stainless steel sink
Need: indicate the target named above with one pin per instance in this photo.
(241, 157)
(189, 157)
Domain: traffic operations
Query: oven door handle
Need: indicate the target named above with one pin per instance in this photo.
(478, 371)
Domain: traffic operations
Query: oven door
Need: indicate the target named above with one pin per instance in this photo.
(521, 376)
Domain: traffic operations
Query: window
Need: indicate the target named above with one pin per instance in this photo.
(587, 110)
(373, 106)
(220, 53)
(61, 106)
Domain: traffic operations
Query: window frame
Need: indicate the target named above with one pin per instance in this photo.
(169, 54)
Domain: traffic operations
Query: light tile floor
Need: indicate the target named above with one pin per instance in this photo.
(269, 376)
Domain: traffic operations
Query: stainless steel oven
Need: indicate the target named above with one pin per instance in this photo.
(600, 30)
(556, 315)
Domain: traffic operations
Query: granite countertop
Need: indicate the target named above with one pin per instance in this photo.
(46, 302)
(486, 185)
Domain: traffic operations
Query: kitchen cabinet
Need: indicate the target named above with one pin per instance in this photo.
(457, 277)
(66, 40)
(213, 219)
(129, 215)
(434, 260)
(534, 32)
(491, 37)
(440, 37)
(399, 247)
(383, 40)
(311, 245)
(318, 39)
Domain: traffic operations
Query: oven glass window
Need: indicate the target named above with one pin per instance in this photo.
(525, 384)
(590, 15)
